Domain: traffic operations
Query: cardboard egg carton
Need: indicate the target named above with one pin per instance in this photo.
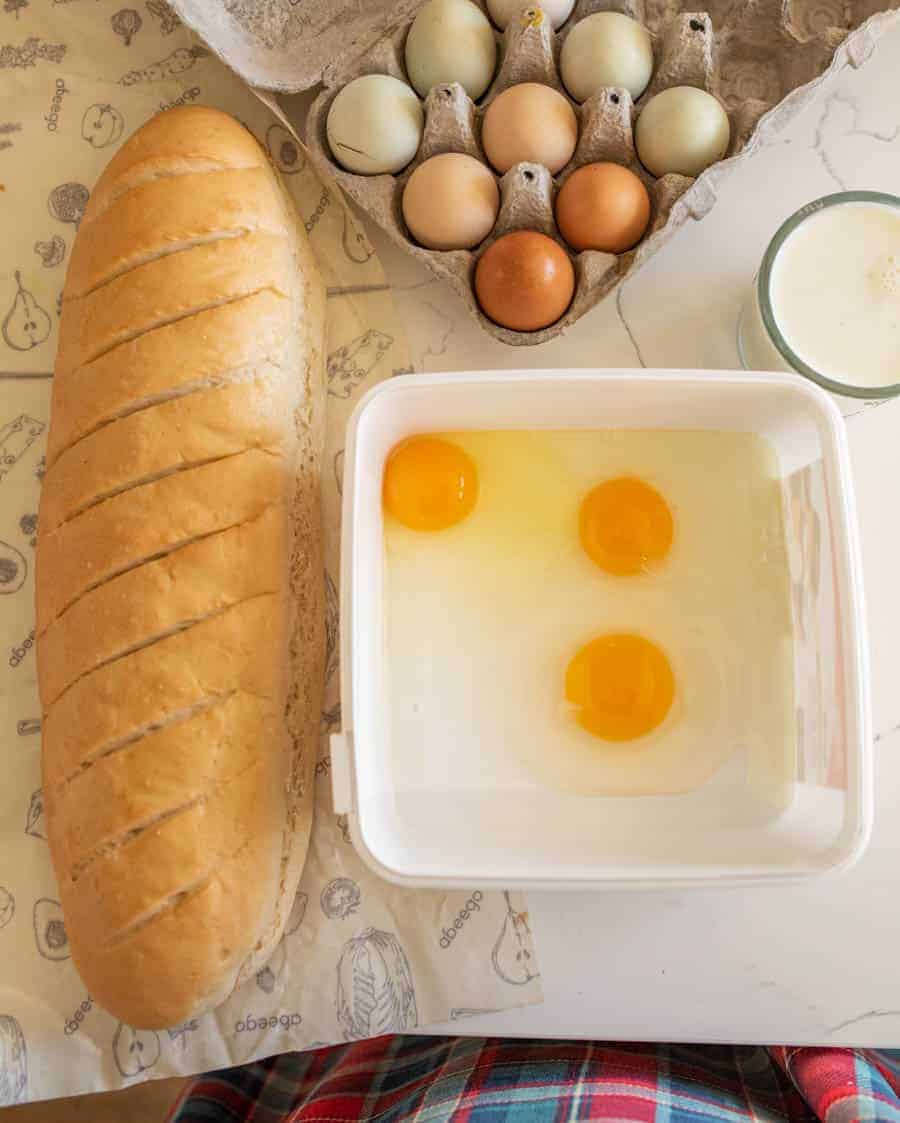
(761, 58)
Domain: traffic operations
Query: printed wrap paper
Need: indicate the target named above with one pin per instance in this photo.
(359, 957)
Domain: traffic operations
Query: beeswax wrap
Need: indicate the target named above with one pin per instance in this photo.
(359, 957)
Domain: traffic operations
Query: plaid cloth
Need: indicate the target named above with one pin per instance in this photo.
(488, 1080)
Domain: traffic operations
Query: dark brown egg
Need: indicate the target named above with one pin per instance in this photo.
(524, 281)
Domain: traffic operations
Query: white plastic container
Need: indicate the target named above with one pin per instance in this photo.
(535, 837)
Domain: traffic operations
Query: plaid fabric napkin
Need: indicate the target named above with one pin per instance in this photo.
(488, 1080)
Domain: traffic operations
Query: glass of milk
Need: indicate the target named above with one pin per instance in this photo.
(826, 300)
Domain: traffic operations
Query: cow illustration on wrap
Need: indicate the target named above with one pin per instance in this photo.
(16, 437)
(350, 365)
(512, 956)
(375, 992)
(13, 1062)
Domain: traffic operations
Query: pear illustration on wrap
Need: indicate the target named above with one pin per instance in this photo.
(26, 324)
(512, 956)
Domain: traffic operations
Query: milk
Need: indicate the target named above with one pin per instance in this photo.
(834, 294)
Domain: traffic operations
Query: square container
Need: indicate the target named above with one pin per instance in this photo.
(478, 832)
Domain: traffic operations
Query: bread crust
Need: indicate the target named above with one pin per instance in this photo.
(179, 570)
(211, 347)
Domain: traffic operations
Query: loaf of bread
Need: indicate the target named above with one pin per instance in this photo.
(179, 572)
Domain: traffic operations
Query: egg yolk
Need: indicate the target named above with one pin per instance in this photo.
(429, 483)
(623, 686)
(626, 526)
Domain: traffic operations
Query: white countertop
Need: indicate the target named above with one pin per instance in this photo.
(799, 965)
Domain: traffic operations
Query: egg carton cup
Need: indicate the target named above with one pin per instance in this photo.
(763, 60)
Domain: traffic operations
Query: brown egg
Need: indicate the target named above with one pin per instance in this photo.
(524, 281)
(529, 122)
(602, 207)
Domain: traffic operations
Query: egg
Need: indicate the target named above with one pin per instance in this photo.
(622, 686)
(556, 11)
(429, 484)
(375, 125)
(529, 122)
(450, 202)
(602, 207)
(524, 281)
(521, 664)
(606, 49)
(625, 526)
(451, 41)
(681, 130)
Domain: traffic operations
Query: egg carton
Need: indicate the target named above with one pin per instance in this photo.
(761, 58)
(749, 55)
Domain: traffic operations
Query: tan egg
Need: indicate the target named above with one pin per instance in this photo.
(529, 122)
(602, 207)
(524, 281)
(450, 202)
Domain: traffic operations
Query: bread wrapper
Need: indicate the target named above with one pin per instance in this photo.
(358, 956)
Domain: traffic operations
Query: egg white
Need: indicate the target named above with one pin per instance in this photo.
(482, 620)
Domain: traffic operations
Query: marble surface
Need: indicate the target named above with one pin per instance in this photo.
(812, 964)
